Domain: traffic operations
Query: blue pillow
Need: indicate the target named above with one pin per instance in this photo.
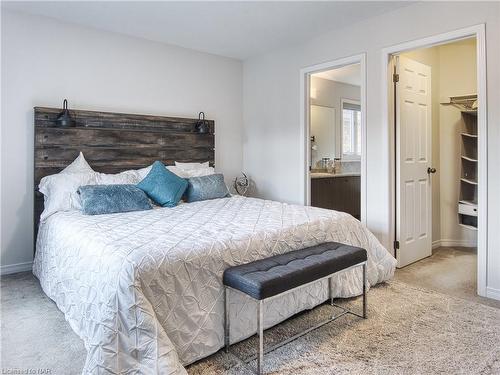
(162, 186)
(206, 187)
(109, 199)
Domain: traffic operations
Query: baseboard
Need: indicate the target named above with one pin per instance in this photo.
(453, 243)
(15, 268)
(493, 293)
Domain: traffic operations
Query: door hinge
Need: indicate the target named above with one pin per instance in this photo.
(396, 245)
(395, 77)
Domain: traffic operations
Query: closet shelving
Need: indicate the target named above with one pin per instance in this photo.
(467, 204)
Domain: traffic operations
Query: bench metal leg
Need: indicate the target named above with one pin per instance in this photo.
(226, 319)
(364, 291)
(260, 323)
(330, 290)
(260, 320)
(364, 314)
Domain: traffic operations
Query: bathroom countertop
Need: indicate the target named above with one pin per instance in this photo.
(332, 175)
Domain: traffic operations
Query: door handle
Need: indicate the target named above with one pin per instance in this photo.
(431, 170)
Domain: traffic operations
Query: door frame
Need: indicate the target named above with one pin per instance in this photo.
(305, 101)
(478, 32)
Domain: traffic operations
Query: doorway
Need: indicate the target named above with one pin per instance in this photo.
(437, 97)
(333, 136)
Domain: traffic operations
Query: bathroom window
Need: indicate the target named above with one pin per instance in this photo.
(351, 129)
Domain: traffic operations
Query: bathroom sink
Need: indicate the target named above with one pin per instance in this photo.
(327, 175)
(321, 174)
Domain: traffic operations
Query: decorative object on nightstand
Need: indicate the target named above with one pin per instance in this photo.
(202, 126)
(64, 118)
(241, 184)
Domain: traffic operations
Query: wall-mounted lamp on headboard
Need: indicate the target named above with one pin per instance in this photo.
(202, 126)
(64, 118)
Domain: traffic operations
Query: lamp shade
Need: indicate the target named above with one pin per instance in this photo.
(64, 118)
(202, 126)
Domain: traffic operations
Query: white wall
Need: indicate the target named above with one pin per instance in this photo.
(44, 61)
(271, 107)
(330, 94)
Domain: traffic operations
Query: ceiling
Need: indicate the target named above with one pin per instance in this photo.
(350, 74)
(234, 29)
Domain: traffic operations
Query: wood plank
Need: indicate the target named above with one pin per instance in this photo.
(55, 156)
(45, 117)
(120, 137)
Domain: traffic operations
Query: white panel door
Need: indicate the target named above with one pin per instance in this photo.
(413, 158)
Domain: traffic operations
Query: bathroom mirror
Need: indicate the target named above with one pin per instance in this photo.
(335, 112)
(323, 129)
(336, 139)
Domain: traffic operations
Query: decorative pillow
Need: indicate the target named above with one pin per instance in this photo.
(190, 166)
(109, 199)
(206, 187)
(163, 186)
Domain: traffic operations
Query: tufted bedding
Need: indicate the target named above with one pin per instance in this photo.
(143, 289)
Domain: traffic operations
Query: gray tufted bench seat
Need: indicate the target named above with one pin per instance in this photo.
(274, 276)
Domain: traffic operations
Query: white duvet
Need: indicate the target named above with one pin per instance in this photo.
(143, 289)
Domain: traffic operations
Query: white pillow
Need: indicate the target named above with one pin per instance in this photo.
(184, 173)
(191, 166)
(187, 173)
(60, 191)
(143, 172)
(79, 165)
(127, 177)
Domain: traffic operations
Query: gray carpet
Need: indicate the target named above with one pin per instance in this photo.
(450, 270)
(35, 334)
(409, 331)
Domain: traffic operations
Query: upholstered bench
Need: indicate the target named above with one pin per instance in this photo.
(274, 276)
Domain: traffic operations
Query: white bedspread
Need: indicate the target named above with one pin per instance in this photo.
(143, 289)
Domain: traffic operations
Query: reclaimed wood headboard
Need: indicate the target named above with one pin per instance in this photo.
(114, 142)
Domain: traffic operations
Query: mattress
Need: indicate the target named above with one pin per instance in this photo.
(144, 289)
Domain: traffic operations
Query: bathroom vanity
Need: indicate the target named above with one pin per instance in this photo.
(340, 192)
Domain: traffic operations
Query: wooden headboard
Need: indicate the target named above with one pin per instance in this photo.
(114, 142)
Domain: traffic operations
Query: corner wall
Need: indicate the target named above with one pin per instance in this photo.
(45, 61)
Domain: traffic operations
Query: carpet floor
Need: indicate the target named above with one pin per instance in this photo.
(449, 270)
(409, 331)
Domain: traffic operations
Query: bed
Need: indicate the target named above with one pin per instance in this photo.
(143, 289)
